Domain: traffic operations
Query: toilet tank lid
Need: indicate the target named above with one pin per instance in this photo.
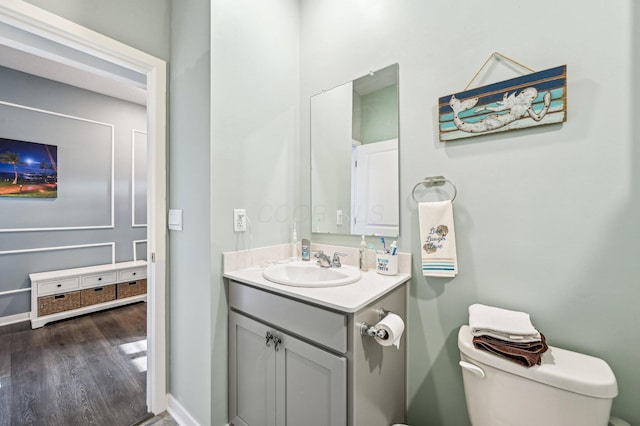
(560, 368)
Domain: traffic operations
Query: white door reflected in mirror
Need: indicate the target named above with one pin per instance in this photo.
(374, 195)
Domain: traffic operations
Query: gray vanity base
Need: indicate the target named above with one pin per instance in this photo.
(323, 371)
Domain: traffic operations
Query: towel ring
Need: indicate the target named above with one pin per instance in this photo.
(432, 181)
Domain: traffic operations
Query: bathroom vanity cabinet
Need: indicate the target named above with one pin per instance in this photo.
(61, 294)
(292, 362)
(276, 373)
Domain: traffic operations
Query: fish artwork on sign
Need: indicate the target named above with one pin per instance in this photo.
(531, 100)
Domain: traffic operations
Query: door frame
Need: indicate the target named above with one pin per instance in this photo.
(32, 19)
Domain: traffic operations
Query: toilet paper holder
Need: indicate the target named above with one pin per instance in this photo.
(371, 330)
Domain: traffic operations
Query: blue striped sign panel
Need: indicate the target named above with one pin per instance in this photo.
(530, 100)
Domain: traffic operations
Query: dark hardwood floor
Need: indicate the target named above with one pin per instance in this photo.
(88, 370)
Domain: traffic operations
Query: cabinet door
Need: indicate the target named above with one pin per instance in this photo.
(251, 373)
(311, 385)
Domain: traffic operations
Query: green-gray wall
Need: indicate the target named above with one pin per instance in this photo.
(191, 295)
(546, 219)
(254, 143)
(143, 24)
(379, 112)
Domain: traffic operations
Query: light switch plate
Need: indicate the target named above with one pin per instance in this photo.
(175, 219)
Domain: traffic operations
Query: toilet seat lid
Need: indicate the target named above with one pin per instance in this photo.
(560, 368)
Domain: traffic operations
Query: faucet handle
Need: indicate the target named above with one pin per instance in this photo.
(323, 260)
(336, 259)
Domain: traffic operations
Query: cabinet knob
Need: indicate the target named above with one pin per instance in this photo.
(59, 285)
(99, 278)
(268, 337)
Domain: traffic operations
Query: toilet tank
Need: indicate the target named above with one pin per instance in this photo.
(568, 388)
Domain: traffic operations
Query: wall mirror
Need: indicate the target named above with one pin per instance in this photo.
(354, 157)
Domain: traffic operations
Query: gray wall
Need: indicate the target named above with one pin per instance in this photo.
(546, 219)
(80, 124)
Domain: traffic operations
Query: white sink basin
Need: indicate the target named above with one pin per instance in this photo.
(310, 274)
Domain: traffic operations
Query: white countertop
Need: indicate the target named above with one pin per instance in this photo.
(347, 298)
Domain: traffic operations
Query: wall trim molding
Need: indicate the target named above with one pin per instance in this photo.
(20, 290)
(133, 180)
(12, 319)
(179, 413)
(112, 206)
(54, 248)
(135, 252)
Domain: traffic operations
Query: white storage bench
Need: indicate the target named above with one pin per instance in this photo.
(57, 295)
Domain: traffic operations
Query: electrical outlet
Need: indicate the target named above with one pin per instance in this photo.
(239, 220)
(339, 217)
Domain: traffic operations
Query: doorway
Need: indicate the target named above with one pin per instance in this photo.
(47, 36)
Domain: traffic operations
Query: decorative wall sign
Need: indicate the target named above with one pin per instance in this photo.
(28, 169)
(531, 100)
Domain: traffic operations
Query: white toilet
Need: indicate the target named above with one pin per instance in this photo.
(568, 388)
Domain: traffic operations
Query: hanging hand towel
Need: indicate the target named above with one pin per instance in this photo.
(437, 239)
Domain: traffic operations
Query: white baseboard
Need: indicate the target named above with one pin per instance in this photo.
(179, 413)
(12, 319)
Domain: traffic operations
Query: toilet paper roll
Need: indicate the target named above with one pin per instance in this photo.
(394, 326)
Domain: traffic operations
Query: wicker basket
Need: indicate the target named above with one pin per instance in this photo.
(132, 288)
(95, 295)
(48, 305)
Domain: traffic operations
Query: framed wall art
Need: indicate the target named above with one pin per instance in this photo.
(531, 100)
(28, 169)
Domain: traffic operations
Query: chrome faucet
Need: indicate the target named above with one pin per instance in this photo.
(323, 259)
(326, 262)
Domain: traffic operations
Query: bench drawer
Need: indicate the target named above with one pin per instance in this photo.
(99, 279)
(58, 286)
(132, 274)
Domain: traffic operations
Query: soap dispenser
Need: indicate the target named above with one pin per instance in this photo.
(305, 252)
(364, 265)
